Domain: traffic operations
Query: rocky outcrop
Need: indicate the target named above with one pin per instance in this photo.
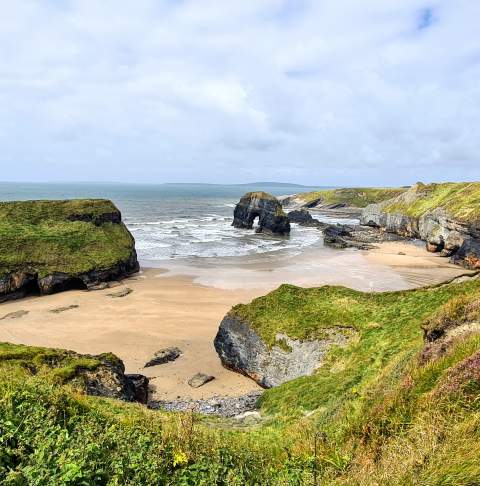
(242, 350)
(303, 218)
(62, 245)
(108, 379)
(99, 375)
(163, 356)
(355, 236)
(266, 208)
(443, 233)
(218, 405)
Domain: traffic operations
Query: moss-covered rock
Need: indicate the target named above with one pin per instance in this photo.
(266, 208)
(100, 375)
(317, 322)
(49, 246)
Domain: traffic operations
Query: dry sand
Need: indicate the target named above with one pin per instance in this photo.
(170, 309)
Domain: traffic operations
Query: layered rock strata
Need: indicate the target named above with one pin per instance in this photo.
(450, 235)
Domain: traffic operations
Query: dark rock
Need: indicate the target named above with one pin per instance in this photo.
(164, 356)
(17, 284)
(139, 387)
(334, 236)
(355, 236)
(14, 315)
(302, 217)
(242, 350)
(267, 208)
(120, 293)
(109, 380)
(63, 309)
(199, 380)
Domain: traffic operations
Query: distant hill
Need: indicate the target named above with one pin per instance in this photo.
(248, 184)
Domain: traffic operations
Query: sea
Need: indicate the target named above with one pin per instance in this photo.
(180, 221)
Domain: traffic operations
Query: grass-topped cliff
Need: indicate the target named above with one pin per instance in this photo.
(75, 237)
(356, 197)
(461, 200)
(381, 410)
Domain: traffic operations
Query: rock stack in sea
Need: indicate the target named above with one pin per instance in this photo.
(265, 207)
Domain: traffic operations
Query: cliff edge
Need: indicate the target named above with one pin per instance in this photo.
(50, 246)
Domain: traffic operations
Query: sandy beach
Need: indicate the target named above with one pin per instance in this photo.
(183, 305)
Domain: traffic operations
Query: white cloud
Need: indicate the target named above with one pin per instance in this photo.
(325, 91)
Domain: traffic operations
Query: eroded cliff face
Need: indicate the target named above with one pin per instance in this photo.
(451, 236)
(51, 246)
(266, 208)
(242, 350)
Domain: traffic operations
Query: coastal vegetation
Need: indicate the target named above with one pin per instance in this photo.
(356, 197)
(377, 412)
(52, 245)
(71, 236)
(459, 200)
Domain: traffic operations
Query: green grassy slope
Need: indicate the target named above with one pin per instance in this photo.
(38, 235)
(373, 414)
(357, 197)
(461, 200)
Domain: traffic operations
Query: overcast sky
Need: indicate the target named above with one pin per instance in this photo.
(323, 92)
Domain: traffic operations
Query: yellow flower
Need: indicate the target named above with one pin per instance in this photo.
(179, 458)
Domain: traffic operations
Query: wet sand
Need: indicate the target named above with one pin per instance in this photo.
(183, 305)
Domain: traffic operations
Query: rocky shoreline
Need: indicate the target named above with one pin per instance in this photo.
(222, 406)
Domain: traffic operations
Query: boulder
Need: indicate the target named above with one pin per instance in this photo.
(109, 380)
(265, 207)
(242, 350)
(139, 385)
(199, 380)
(334, 235)
(302, 217)
(164, 356)
(120, 293)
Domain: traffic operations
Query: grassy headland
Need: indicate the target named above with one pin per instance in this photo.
(73, 236)
(459, 199)
(374, 413)
(356, 197)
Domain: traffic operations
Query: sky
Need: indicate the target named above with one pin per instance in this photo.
(319, 92)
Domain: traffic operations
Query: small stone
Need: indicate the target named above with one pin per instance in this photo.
(99, 286)
(63, 309)
(200, 379)
(114, 284)
(121, 293)
(164, 356)
(402, 253)
(14, 315)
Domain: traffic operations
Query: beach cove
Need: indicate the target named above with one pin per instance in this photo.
(183, 304)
